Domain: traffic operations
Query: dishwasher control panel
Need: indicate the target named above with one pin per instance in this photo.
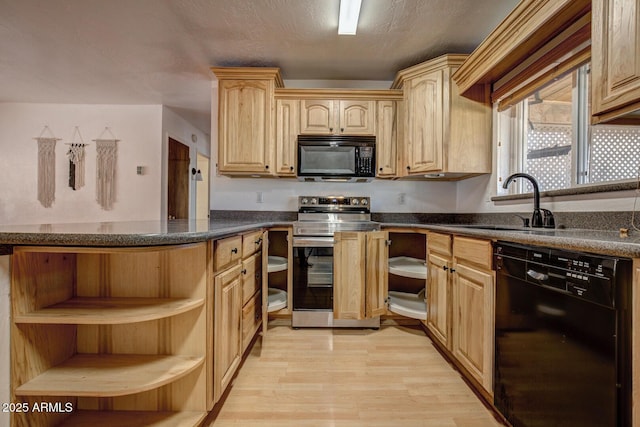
(587, 276)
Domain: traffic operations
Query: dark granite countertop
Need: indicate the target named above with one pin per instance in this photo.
(151, 233)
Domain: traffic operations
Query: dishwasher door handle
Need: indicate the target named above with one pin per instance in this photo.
(537, 275)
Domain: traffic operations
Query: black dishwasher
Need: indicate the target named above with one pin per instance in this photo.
(562, 343)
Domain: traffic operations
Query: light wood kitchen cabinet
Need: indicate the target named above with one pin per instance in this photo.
(473, 308)
(227, 330)
(359, 287)
(439, 265)
(445, 134)
(615, 58)
(246, 107)
(287, 131)
(337, 117)
(117, 333)
(388, 132)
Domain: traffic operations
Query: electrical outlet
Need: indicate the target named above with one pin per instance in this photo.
(259, 197)
(401, 198)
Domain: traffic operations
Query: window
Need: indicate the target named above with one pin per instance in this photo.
(548, 135)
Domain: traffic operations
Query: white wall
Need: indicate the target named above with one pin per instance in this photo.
(138, 127)
(176, 127)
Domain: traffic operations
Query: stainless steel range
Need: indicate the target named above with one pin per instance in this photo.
(319, 217)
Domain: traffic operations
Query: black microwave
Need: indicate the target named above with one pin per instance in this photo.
(336, 157)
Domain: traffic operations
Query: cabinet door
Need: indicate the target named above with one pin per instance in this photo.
(377, 270)
(227, 328)
(287, 130)
(424, 123)
(439, 297)
(349, 275)
(473, 322)
(386, 138)
(245, 114)
(317, 117)
(357, 117)
(615, 55)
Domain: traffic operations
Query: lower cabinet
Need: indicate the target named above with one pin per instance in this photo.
(439, 264)
(461, 302)
(360, 279)
(227, 332)
(237, 303)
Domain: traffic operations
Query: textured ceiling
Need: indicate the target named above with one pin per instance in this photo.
(160, 51)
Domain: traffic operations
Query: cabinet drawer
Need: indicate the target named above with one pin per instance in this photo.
(439, 243)
(226, 252)
(251, 242)
(473, 250)
(251, 276)
(251, 318)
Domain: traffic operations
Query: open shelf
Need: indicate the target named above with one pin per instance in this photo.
(277, 263)
(407, 304)
(134, 419)
(408, 267)
(109, 375)
(277, 300)
(109, 311)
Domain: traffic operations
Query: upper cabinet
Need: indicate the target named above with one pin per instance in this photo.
(337, 117)
(615, 62)
(388, 132)
(445, 135)
(287, 130)
(245, 119)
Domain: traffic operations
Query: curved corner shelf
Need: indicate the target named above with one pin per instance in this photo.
(109, 375)
(408, 267)
(277, 263)
(109, 311)
(408, 305)
(134, 419)
(277, 300)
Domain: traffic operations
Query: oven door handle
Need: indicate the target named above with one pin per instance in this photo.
(313, 242)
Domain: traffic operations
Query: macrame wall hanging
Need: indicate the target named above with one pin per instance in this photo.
(46, 167)
(76, 156)
(106, 159)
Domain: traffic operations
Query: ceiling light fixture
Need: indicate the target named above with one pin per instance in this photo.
(349, 14)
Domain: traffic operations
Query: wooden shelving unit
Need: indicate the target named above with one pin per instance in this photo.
(110, 311)
(98, 375)
(278, 293)
(118, 333)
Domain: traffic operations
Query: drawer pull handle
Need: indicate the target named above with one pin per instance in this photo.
(234, 250)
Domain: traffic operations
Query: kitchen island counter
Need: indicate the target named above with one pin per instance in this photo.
(150, 233)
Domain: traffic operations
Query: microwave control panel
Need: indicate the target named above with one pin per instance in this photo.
(365, 165)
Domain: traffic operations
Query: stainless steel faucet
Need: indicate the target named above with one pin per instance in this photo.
(540, 217)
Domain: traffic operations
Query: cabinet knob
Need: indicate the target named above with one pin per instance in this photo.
(243, 271)
(234, 250)
(266, 166)
(453, 270)
(330, 129)
(257, 242)
(290, 168)
(341, 130)
(380, 169)
(408, 167)
(445, 268)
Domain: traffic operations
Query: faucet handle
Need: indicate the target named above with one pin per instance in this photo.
(525, 220)
(548, 221)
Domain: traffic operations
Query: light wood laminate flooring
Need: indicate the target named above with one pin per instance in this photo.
(348, 377)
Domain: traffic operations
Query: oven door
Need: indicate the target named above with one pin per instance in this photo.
(312, 273)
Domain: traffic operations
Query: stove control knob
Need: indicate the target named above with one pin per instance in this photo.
(304, 201)
(364, 202)
(314, 201)
(355, 202)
